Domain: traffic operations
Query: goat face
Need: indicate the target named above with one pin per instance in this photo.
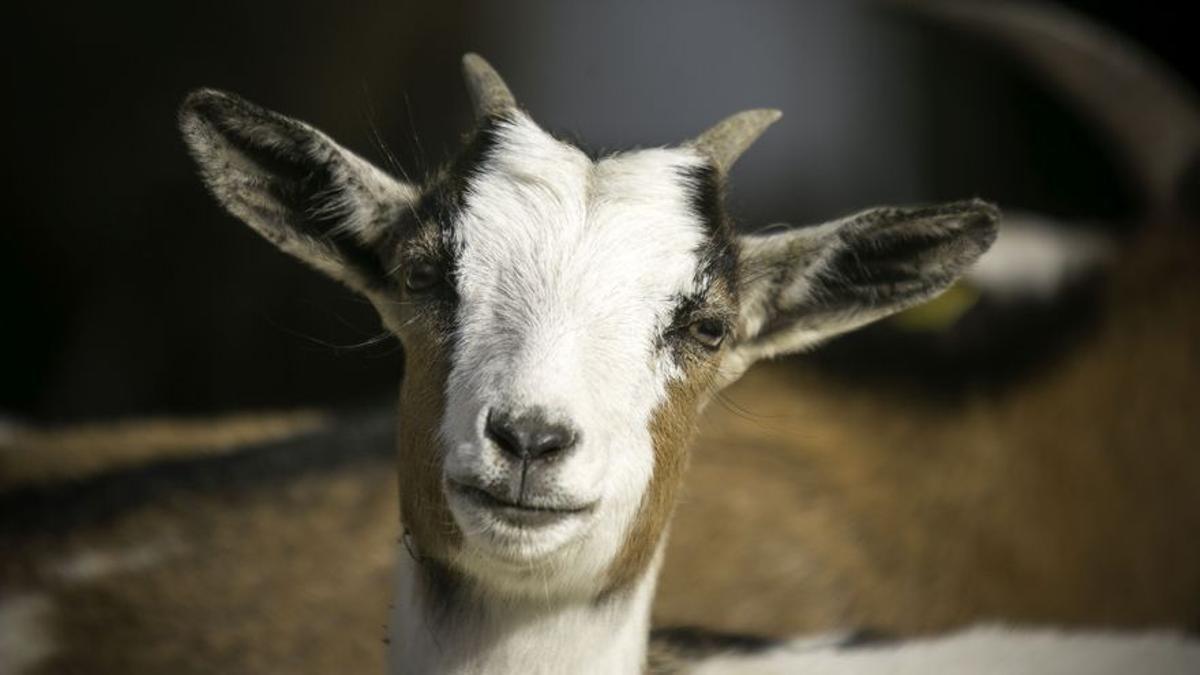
(564, 317)
(574, 285)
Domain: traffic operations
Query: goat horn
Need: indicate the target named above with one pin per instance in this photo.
(1151, 114)
(488, 92)
(725, 141)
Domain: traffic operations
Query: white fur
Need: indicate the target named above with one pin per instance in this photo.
(568, 273)
(25, 633)
(985, 650)
(530, 636)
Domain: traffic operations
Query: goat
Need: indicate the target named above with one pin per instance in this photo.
(571, 317)
(775, 598)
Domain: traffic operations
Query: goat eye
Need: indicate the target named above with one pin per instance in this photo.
(423, 276)
(708, 332)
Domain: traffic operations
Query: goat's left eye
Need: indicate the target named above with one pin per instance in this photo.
(423, 276)
(708, 332)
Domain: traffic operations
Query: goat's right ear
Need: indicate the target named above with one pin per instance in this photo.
(295, 186)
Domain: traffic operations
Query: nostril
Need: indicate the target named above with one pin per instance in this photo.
(552, 438)
(528, 435)
(501, 432)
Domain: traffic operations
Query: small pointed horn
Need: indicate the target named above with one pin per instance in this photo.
(729, 138)
(488, 91)
(1151, 114)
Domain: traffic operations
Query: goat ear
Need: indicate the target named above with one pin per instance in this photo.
(293, 185)
(804, 285)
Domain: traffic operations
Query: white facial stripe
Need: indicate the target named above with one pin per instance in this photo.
(549, 237)
(568, 272)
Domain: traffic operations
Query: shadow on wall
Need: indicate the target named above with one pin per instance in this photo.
(127, 291)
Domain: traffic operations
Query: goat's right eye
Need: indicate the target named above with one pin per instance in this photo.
(423, 276)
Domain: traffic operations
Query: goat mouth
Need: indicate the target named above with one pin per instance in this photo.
(522, 513)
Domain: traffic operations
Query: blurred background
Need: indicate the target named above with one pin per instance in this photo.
(125, 290)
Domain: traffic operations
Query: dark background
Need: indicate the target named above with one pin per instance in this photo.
(125, 290)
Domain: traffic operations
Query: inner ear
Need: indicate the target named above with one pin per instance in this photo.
(295, 186)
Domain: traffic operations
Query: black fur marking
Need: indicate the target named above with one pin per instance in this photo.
(719, 255)
(705, 190)
(426, 232)
(445, 592)
(866, 638)
(62, 507)
(444, 198)
(716, 271)
(694, 643)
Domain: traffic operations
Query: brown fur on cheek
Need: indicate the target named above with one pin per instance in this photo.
(671, 428)
(423, 509)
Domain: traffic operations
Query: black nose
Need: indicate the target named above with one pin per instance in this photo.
(529, 435)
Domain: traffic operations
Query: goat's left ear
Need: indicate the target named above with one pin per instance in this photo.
(291, 183)
(804, 285)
